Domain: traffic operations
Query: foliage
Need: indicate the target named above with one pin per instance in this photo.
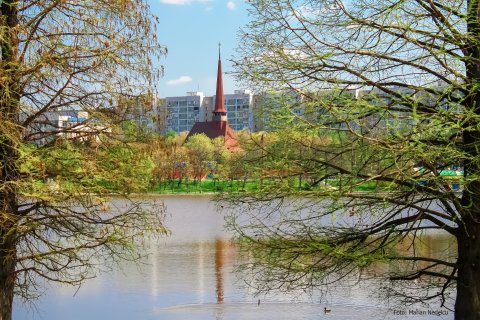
(382, 92)
(72, 168)
(85, 61)
(200, 149)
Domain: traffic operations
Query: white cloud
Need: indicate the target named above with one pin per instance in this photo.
(176, 2)
(182, 2)
(310, 12)
(231, 5)
(179, 81)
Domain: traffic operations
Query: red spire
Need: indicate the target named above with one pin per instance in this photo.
(219, 97)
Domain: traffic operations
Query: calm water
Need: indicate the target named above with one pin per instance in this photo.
(190, 276)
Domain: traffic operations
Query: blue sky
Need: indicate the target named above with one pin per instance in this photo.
(191, 30)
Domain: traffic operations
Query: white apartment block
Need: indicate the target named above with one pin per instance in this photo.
(145, 113)
(183, 111)
(246, 110)
(239, 107)
(67, 124)
(269, 103)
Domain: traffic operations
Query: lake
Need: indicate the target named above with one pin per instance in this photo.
(190, 275)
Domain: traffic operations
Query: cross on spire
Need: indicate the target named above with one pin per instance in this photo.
(219, 45)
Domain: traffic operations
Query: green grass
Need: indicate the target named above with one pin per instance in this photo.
(205, 186)
(214, 186)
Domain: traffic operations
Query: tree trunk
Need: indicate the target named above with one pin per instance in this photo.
(8, 222)
(7, 272)
(467, 304)
(10, 137)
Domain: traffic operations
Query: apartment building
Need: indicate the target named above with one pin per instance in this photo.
(182, 112)
(254, 112)
(66, 124)
(239, 107)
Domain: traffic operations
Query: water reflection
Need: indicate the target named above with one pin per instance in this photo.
(190, 276)
(219, 261)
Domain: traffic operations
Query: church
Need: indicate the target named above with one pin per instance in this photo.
(219, 126)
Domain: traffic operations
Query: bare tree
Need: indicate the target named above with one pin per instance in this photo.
(61, 56)
(390, 98)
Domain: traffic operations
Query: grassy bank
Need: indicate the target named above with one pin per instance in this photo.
(214, 185)
(204, 186)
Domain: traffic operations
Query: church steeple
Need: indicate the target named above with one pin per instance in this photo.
(219, 126)
(219, 113)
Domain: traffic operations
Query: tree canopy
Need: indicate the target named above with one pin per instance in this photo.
(69, 70)
(386, 98)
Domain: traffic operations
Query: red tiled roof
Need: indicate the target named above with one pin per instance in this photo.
(215, 129)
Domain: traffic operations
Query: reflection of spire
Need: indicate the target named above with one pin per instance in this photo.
(201, 272)
(219, 262)
(155, 281)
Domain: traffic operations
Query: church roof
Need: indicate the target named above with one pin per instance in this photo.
(215, 129)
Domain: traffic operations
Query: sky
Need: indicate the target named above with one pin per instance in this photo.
(191, 31)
